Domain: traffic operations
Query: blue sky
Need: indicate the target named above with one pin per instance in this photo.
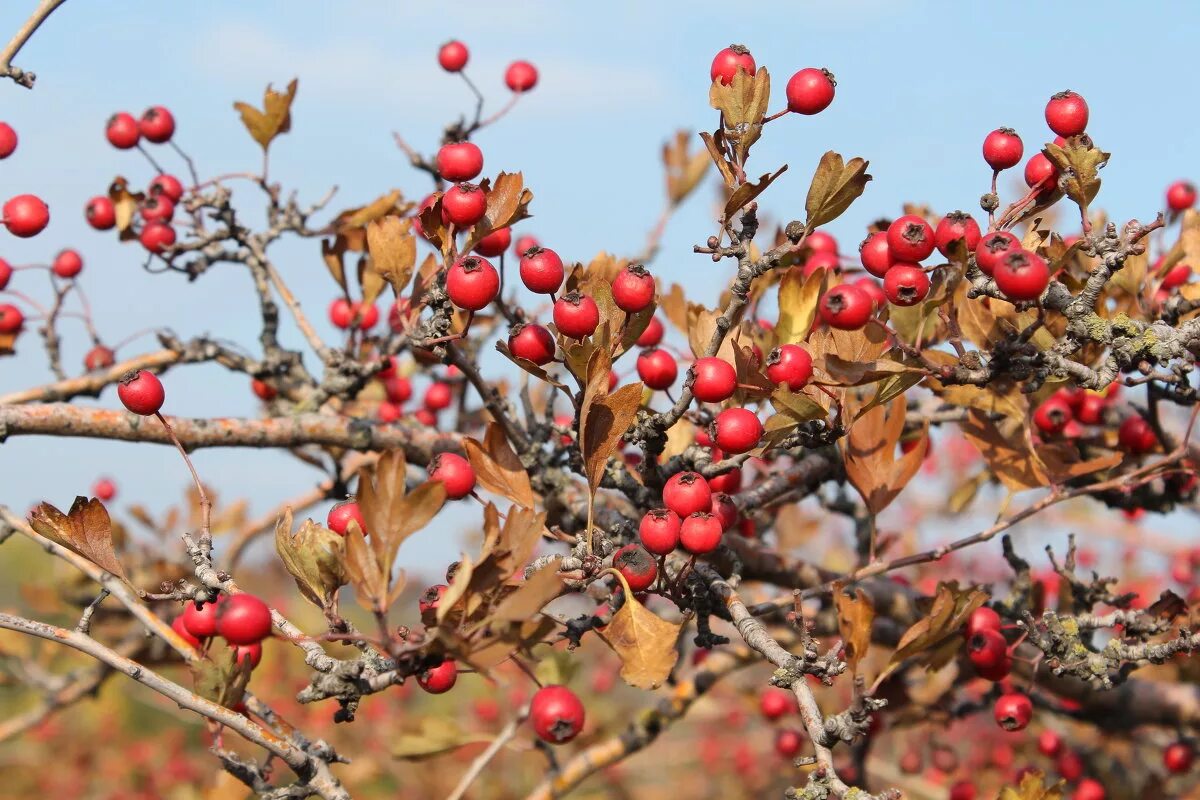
(919, 85)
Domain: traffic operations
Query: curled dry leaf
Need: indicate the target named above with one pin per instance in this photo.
(835, 185)
(86, 529)
(1078, 165)
(929, 636)
(125, 207)
(869, 450)
(314, 556)
(507, 204)
(393, 250)
(498, 467)
(684, 170)
(855, 615)
(275, 117)
(644, 642)
(798, 297)
(742, 195)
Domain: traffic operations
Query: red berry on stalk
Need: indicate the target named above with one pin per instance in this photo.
(657, 368)
(1022, 275)
(728, 61)
(263, 391)
(700, 533)
(788, 743)
(398, 389)
(104, 489)
(341, 313)
(875, 255)
(453, 55)
(158, 208)
(576, 315)
(652, 335)
(455, 474)
(659, 531)
(11, 318)
(686, 493)
(1069, 765)
(1176, 276)
(905, 284)
(1067, 114)
(556, 713)
(956, 226)
(910, 238)
(521, 76)
(532, 342)
(738, 430)
(873, 290)
(1002, 148)
(789, 365)
(247, 652)
(1013, 711)
(633, 289)
(727, 482)
(846, 307)
(472, 283)
(1136, 435)
(156, 237)
(8, 140)
(775, 703)
(157, 124)
(439, 679)
(636, 565)
(495, 243)
(1091, 409)
(438, 396)
(1052, 416)
(141, 392)
(67, 264)
(341, 515)
(459, 161)
(463, 205)
(1041, 172)
(183, 633)
(962, 790)
(1049, 744)
(426, 417)
(1178, 757)
(822, 242)
(122, 131)
(822, 260)
(200, 621)
(810, 91)
(1089, 789)
(167, 185)
(993, 248)
(1181, 195)
(714, 380)
(987, 650)
(429, 599)
(6, 273)
(26, 215)
(100, 213)
(524, 243)
(541, 270)
(243, 619)
(725, 510)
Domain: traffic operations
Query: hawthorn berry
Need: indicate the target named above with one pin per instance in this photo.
(775, 703)
(521, 76)
(438, 396)
(1178, 757)
(67, 264)
(1089, 789)
(1002, 148)
(463, 205)
(8, 140)
(472, 283)
(200, 620)
(636, 565)
(822, 242)
(183, 633)
(987, 650)
(846, 307)
(1069, 765)
(1040, 173)
(167, 185)
(104, 490)
(99, 357)
(100, 213)
(454, 472)
(962, 790)
(822, 260)
(714, 380)
(1067, 114)
(657, 369)
(439, 679)
(426, 417)
(453, 55)
(725, 510)
(157, 124)
(524, 244)
(1022, 275)
(873, 290)
(122, 131)
(875, 255)
(243, 619)
(26, 215)
(247, 652)
(910, 238)
(141, 392)
(700, 533)
(1176, 276)
(633, 289)
(388, 412)
(157, 237)
(1012, 711)
(1181, 195)
(810, 91)
(556, 713)
(789, 365)
(459, 161)
(659, 531)
(263, 391)
(495, 243)
(340, 516)
(576, 315)
(905, 284)
(993, 248)
(728, 61)
(1052, 416)
(788, 743)
(398, 389)
(956, 226)
(1049, 743)
(1136, 435)
(686, 493)
(532, 342)
(652, 334)
(157, 208)
(541, 270)
(982, 618)
(429, 599)
(737, 430)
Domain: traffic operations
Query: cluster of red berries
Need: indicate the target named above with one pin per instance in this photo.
(66, 265)
(809, 91)
(24, 215)
(520, 76)
(242, 620)
(398, 389)
(696, 513)
(1068, 409)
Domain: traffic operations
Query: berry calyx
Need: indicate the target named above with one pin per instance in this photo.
(541, 270)
(429, 599)
(459, 161)
(910, 238)
(789, 365)
(905, 284)
(728, 61)
(341, 515)
(141, 392)
(576, 315)
(521, 76)
(657, 368)
(157, 124)
(875, 255)
(556, 713)
(700, 533)
(1022, 275)
(636, 566)
(472, 283)
(122, 131)
(956, 226)
(659, 531)
(1067, 114)
(1002, 148)
(67, 264)
(439, 679)
(454, 472)
(846, 307)
(993, 248)
(243, 619)
(810, 91)
(685, 493)
(531, 342)
(26, 215)
(453, 55)
(738, 430)
(1013, 711)
(633, 289)
(714, 380)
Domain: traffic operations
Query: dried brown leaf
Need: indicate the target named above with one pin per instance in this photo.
(835, 185)
(274, 119)
(86, 530)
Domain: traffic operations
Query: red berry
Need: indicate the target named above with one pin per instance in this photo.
(910, 238)
(822, 242)
(157, 237)
(822, 260)
(158, 208)
(982, 618)
(1002, 148)
(700, 533)
(1049, 744)
(1041, 172)
(1069, 765)
(962, 790)
(531, 342)
(525, 244)
(810, 91)
(247, 652)
(429, 599)
(728, 61)
(67, 264)
(426, 417)
(122, 131)
(1067, 114)
(454, 473)
(714, 380)
(26, 215)
(1136, 435)
(453, 55)
(439, 679)
(1176, 276)
(873, 290)
(104, 489)
(183, 633)
(987, 650)
(541, 270)
(495, 243)
(1181, 195)
(633, 289)
(388, 412)
(8, 140)
(875, 255)
(438, 396)
(200, 621)
(521, 76)
(263, 391)
(1052, 416)
(463, 205)
(636, 565)
(459, 161)
(788, 743)
(1091, 409)
(141, 392)
(657, 368)
(727, 482)
(100, 213)
(993, 248)
(341, 313)
(846, 307)
(243, 619)
(725, 510)
(11, 318)
(1089, 789)
(789, 365)
(737, 430)
(556, 713)
(576, 315)
(905, 284)
(1012, 711)
(472, 283)
(686, 493)
(651, 336)
(775, 703)
(1178, 757)
(659, 531)
(398, 389)
(1022, 276)
(339, 518)
(6, 273)
(167, 185)
(157, 124)
(956, 226)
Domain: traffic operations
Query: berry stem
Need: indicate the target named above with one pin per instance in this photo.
(141, 149)
(205, 503)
